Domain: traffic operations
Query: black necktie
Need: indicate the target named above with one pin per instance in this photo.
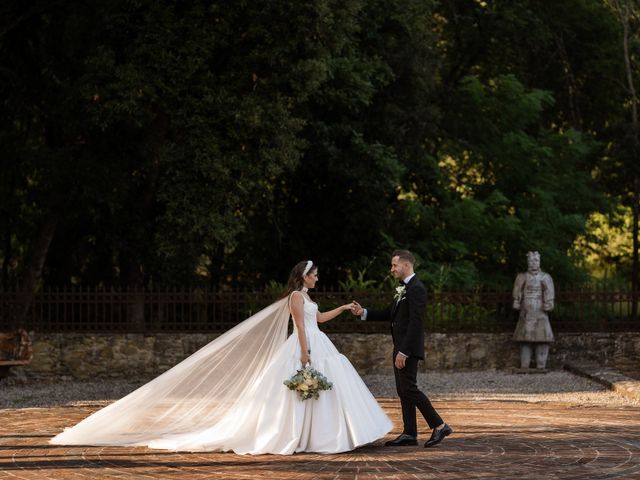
(402, 283)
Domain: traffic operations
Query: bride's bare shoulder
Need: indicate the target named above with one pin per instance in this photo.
(296, 297)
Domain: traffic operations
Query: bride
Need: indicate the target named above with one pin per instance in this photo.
(230, 396)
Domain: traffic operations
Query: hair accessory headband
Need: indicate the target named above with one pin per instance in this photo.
(307, 268)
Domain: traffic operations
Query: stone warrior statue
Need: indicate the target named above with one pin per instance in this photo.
(533, 295)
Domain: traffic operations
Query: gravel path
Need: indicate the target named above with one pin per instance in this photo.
(555, 386)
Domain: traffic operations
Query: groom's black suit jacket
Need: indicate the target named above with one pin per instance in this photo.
(407, 319)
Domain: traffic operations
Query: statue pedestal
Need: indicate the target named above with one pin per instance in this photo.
(529, 370)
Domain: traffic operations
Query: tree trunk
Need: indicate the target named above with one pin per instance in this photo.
(572, 84)
(624, 13)
(215, 270)
(8, 253)
(131, 264)
(8, 228)
(133, 281)
(32, 274)
(635, 266)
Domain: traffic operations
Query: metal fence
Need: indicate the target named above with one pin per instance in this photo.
(200, 310)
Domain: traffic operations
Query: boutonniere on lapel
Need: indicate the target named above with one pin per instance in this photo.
(400, 293)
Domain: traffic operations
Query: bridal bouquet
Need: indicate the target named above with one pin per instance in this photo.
(308, 382)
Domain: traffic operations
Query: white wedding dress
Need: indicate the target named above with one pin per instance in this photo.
(196, 406)
(273, 419)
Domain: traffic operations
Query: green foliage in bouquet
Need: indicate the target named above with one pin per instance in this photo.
(308, 382)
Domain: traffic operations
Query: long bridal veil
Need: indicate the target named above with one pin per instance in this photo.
(196, 392)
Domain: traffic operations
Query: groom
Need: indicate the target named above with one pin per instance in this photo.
(406, 315)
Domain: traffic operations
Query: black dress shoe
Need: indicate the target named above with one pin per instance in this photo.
(402, 440)
(438, 435)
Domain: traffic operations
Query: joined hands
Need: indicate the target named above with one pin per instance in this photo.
(356, 308)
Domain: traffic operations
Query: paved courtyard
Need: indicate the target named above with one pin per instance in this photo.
(493, 439)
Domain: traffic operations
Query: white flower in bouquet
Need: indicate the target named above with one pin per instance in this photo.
(308, 382)
(400, 292)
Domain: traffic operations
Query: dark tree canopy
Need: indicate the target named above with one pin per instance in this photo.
(170, 143)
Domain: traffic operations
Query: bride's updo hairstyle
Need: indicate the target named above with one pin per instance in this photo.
(296, 277)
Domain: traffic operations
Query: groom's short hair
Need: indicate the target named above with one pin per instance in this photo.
(405, 255)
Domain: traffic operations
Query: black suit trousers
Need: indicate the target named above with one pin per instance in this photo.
(411, 397)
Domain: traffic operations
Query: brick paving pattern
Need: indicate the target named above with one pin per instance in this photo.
(492, 440)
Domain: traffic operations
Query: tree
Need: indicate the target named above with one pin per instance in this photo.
(509, 178)
(196, 141)
(620, 167)
(365, 126)
(156, 122)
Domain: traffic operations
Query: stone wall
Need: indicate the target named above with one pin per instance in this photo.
(89, 356)
(469, 351)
